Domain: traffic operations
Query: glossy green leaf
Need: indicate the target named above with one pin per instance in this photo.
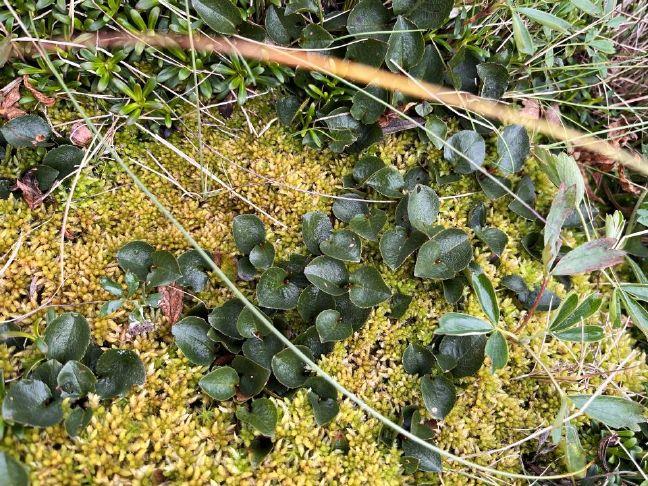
(330, 327)
(262, 349)
(221, 16)
(485, 293)
(47, 372)
(224, 318)
(523, 39)
(417, 360)
(439, 396)
(461, 355)
(289, 369)
(77, 420)
(26, 131)
(423, 458)
(323, 399)
(12, 473)
(387, 181)
(351, 313)
(252, 376)
(525, 192)
(396, 245)
(615, 412)
(366, 108)
(30, 402)
(312, 301)
(368, 225)
(164, 269)
(135, 257)
(316, 227)
(423, 208)
(493, 185)
(367, 17)
(399, 305)
(494, 78)
(458, 324)
(274, 291)
(262, 416)
(513, 148)
(118, 370)
(588, 257)
(249, 325)
(67, 337)
(368, 287)
(342, 245)
(193, 268)
(404, 46)
(76, 380)
(469, 151)
(191, 337)
(314, 36)
(65, 159)
(248, 231)
(546, 19)
(221, 383)
(497, 350)
(445, 255)
(577, 334)
(328, 275)
(349, 205)
(494, 238)
(426, 14)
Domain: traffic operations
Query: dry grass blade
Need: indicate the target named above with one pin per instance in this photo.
(359, 72)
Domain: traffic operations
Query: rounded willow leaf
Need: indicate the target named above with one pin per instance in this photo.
(439, 396)
(513, 148)
(368, 225)
(423, 209)
(453, 289)
(436, 130)
(76, 380)
(249, 325)
(312, 301)
(230, 344)
(464, 353)
(248, 231)
(351, 313)
(399, 305)
(221, 383)
(495, 238)
(417, 360)
(67, 337)
(222, 16)
(274, 291)
(262, 256)
(348, 205)
(311, 340)
(252, 376)
(135, 257)
(404, 46)
(191, 337)
(323, 398)
(328, 275)
(224, 318)
(387, 181)
(289, 369)
(415, 176)
(365, 107)
(263, 416)
(64, 158)
(316, 227)
(494, 79)
(12, 473)
(193, 268)
(457, 324)
(366, 166)
(493, 186)
(330, 327)
(422, 458)
(314, 36)
(164, 269)
(30, 402)
(445, 255)
(426, 14)
(469, 151)
(77, 420)
(477, 216)
(287, 108)
(368, 287)
(368, 16)
(367, 51)
(46, 177)
(342, 245)
(497, 350)
(26, 131)
(118, 371)
(262, 349)
(245, 270)
(396, 246)
(47, 372)
(280, 27)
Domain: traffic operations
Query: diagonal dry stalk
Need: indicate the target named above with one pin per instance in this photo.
(361, 73)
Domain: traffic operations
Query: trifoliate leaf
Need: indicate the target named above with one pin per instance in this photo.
(615, 412)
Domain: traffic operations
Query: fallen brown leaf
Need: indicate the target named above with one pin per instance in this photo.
(80, 135)
(10, 97)
(171, 302)
(44, 99)
(28, 185)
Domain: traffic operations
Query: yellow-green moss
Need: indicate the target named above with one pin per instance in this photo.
(164, 431)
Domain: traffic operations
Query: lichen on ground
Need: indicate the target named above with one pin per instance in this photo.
(168, 430)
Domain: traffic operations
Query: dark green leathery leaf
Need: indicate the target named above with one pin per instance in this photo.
(399, 305)
(77, 420)
(453, 289)
(12, 472)
(423, 208)
(387, 181)
(330, 327)
(415, 176)
(461, 355)
(135, 257)
(252, 376)
(221, 383)
(224, 318)
(323, 399)
(222, 16)
(368, 288)
(348, 205)
(417, 360)
(191, 337)
(396, 245)
(439, 396)
(367, 51)
(282, 28)
(262, 256)
(26, 131)
(287, 109)
(426, 14)
(289, 369)
(344, 130)
(30, 402)
(342, 245)
(368, 225)
(368, 16)
(118, 370)
(615, 412)
(458, 324)
(230, 344)
(366, 166)
(497, 350)
(492, 186)
(525, 192)
(316, 227)
(495, 238)
(262, 416)
(164, 269)
(351, 313)
(248, 231)
(494, 79)
(328, 274)
(485, 293)
(314, 36)
(312, 301)
(46, 177)
(468, 145)
(274, 291)
(249, 325)
(405, 45)
(76, 380)
(513, 148)
(193, 268)
(67, 337)
(48, 372)
(423, 458)
(301, 6)
(581, 333)
(311, 340)
(262, 349)
(65, 159)
(445, 255)
(365, 108)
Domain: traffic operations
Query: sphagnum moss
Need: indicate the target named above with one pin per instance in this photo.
(169, 430)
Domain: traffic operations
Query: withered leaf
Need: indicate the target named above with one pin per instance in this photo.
(171, 302)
